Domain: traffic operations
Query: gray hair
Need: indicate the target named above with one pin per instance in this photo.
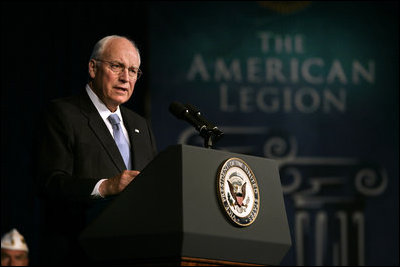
(101, 44)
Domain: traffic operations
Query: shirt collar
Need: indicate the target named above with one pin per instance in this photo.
(100, 106)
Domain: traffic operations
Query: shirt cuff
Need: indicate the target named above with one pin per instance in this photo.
(96, 192)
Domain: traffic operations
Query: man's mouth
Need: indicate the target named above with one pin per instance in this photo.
(122, 89)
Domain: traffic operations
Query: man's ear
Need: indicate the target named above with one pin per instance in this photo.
(92, 68)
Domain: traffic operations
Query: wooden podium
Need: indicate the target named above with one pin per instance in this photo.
(170, 215)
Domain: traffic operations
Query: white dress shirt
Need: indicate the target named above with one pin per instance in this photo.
(105, 113)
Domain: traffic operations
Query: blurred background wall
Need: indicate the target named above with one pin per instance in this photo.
(313, 85)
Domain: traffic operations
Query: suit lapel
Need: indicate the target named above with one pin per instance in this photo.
(99, 128)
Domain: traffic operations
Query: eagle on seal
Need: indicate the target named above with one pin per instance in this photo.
(238, 192)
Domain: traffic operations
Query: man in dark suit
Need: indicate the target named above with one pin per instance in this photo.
(91, 148)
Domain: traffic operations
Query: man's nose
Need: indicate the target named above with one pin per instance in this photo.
(124, 76)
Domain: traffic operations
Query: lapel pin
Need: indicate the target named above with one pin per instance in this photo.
(136, 130)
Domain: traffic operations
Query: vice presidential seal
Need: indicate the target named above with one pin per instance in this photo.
(238, 192)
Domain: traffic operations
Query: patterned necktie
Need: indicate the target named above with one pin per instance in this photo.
(120, 139)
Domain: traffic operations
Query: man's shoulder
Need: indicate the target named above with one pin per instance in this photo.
(66, 106)
(68, 100)
(130, 113)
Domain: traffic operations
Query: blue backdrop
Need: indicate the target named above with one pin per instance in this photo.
(313, 85)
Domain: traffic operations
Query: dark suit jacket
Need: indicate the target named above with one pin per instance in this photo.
(76, 151)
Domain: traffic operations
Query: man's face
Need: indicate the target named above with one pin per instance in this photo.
(14, 257)
(112, 88)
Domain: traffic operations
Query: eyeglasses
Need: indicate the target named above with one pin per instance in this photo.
(118, 68)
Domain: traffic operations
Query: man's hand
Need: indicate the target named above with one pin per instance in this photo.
(116, 184)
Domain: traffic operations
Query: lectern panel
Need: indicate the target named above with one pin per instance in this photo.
(172, 210)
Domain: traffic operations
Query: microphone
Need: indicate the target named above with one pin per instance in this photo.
(192, 115)
(182, 112)
(210, 126)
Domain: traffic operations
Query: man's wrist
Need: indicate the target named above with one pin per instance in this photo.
(99, 190)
